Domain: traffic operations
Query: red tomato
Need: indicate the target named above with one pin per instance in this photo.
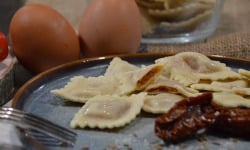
(3, 46)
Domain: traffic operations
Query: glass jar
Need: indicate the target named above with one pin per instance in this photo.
(178, 21)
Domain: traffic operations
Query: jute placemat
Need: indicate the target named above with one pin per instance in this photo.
(234, 45)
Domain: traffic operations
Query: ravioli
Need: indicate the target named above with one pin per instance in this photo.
(191, 67)
(80, 88)
(186, 25)
(134, 81)
(209, 87)
(230, 100)
(160, 103)
(108, 111)
(178, 3)
(151, 3)
(231, 83)
(242, 91)
(220, 86)
(118, 66)
(175, 68)
(181, 12)
(163, 85)
(245, 73)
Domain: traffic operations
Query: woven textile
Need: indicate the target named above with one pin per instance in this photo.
(234, 45)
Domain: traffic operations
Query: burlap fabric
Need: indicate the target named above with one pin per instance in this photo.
(233, 45)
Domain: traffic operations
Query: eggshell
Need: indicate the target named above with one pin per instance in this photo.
(110, 27)
(42, 38)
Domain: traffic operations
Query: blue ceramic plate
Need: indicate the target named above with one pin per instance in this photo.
(35, 97)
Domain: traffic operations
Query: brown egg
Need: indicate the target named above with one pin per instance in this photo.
(42, 38)
(110, 27)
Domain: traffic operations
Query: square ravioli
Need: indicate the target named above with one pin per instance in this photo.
(108, 111)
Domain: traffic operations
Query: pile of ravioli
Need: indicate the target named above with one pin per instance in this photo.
(117, 97)
(174, 16)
